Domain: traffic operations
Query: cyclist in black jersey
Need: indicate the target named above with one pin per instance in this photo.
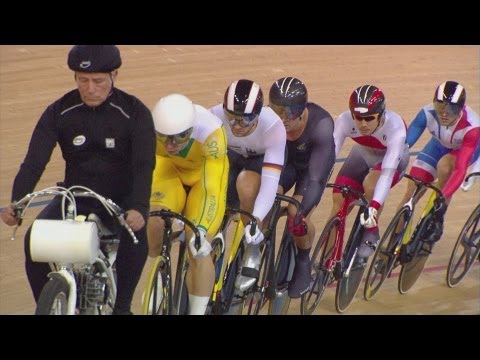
(309, 163)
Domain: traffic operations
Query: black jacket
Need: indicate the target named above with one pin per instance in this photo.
(109, 148)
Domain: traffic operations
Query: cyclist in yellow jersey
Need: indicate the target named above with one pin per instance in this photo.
(191, 154)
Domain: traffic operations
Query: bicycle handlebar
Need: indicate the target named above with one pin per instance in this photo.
(421, 183)
(294, 202)
(472, 175)
(346, 190)
(253, 220)
(164, 213)
(20, 207)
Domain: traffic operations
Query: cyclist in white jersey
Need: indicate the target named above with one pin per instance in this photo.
(378, 159)
(256, 140)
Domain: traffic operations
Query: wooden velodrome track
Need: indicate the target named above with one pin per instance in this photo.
(31, 77)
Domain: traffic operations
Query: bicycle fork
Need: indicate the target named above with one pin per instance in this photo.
(66, 274)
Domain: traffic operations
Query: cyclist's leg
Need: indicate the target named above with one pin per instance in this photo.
(248, 185)
(475, 167)
(37, 272)
(201, 271)
(371, 236)
(168, 192)
(352, 173)
(129, 264)
(301, 277)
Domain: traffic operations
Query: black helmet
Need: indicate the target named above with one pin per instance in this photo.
(367, 100)
(450, 96)
(94, 58)
(290, 94)
(243, 98)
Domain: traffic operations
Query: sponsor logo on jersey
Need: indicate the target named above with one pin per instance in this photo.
(79, 140)
(302, 147)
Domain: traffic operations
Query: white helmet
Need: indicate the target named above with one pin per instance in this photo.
(173, 114)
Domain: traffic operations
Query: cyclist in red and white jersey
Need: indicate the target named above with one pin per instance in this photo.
(377, 160)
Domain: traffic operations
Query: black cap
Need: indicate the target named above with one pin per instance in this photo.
(94, 58)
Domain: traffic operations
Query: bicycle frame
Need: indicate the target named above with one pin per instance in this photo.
(342, 214)
(171, 299)
(220, 270)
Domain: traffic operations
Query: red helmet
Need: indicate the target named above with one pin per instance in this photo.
(367, 100)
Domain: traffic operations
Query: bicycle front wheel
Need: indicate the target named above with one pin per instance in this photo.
(419, 251)
(283, 274)
(352, 274)
(321, 276)
(466, 250)
(386, 255)
(53, 299)
(231, 299)
(157, 292)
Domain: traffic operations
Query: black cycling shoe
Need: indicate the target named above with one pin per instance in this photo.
(301, 278)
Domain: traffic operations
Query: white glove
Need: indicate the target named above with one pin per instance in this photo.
(205, 247)
(371, 221)
(254, 239)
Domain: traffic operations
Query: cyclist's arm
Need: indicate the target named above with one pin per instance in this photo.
(275, 139)
(143, 160)
(464, 156)
(42, 143)
(342, 124)
(395, 150)
(416, 128)
(214, 179)
(320, 165)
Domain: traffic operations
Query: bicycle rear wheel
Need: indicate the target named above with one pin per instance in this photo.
(349, 283)
(320, 275)
(466, 250)
(419, 250)
(386, 255)
(53, 299)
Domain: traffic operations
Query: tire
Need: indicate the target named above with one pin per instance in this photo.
(321, 277)
(231, 299)
(263, 289)
(348, 284)
(180, 292)
(419, 251)
(218, 257)
(283, 274)
(157, 291)
(466, 250)
(53, 299)
(386, 255)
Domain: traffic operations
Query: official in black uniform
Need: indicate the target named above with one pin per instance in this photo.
(107, 139)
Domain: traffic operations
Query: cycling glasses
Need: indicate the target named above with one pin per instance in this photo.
(180, 138)
(451, 110)
(244, 120)
(366, 118)
(288, 112)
